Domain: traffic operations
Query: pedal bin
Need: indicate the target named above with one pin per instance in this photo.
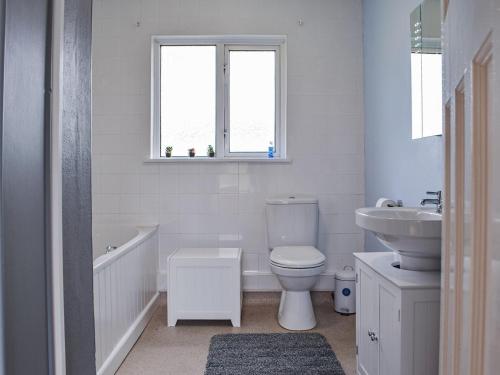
(345, 291)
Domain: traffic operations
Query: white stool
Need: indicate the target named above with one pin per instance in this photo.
(204, 283)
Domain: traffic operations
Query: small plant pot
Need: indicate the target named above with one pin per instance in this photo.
(168, 154)
(192, 154)
(211, 154)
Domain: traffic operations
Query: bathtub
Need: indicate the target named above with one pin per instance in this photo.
(125, 289)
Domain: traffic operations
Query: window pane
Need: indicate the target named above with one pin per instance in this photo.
(252, 98)
(432, 91)
(416, 95)
(187, 98)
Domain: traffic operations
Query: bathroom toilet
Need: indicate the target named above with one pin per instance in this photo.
(292, 227)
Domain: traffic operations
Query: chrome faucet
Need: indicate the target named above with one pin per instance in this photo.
(110, 248)
(398, 203)
(437, 201)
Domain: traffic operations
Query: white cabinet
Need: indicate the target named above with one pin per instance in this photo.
(397, 321)
(204, 283)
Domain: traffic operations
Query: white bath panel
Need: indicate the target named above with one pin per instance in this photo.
(125, 297)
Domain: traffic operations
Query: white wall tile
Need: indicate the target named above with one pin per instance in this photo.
(219, 168)
(227, 204)
(130, 183)
(169, 223)
(169, 203)
(229, 225)
(227, 183)
(150, 203)
(150, 184)
(109, 183)
(191, 184)
(251, 202)
(105, 203)
(130, 203)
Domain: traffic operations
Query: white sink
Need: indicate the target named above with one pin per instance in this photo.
(413, 233)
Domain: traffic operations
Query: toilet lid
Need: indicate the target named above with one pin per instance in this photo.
(297, 256)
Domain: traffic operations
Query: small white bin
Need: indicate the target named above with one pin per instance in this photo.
(345, 291)
(204, 283)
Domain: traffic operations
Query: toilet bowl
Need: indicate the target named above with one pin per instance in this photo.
(298, 269)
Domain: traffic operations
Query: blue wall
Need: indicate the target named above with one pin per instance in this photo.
(396, 166)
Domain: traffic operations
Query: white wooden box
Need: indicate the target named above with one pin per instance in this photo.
(204, 283)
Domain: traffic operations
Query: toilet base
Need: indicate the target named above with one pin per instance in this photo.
(296, 311)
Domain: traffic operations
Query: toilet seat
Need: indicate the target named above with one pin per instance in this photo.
(297, 257)
(297, 272)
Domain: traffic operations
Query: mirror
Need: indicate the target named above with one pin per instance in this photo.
(426, 70)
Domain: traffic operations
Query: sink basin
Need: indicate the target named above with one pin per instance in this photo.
(413, 233)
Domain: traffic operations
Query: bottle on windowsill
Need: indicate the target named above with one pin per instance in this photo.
(270, 150)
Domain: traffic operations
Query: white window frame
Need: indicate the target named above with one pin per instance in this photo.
(224, 44)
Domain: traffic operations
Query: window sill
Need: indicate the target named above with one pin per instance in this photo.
(217, 160)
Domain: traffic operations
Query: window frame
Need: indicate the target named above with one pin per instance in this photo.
(223, 44)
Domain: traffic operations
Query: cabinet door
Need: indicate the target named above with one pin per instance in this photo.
(389, 330)
(368, 315)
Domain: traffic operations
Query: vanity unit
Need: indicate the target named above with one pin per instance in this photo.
(397, 321)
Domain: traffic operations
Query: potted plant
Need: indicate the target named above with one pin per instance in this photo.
(210, 151)
(168, 151)
(192, 152)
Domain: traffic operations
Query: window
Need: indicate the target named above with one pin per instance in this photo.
(228, 92)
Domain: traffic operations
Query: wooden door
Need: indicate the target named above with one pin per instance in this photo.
(471, 236)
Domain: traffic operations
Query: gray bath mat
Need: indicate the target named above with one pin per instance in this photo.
(276, 353)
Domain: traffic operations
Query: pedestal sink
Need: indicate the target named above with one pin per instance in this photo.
(413, 233)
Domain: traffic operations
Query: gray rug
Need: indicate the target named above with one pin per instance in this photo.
(276, 353)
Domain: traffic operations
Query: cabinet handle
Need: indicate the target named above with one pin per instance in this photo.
(372, 335)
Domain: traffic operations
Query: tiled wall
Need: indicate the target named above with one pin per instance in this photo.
(222, 204)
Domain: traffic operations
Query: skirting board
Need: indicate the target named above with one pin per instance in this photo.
(128, 340)
(254, 281)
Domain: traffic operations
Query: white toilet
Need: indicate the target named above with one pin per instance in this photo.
(292, 228)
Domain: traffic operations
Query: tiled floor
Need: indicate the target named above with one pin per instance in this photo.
(183, 350)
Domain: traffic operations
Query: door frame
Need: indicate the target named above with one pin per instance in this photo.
(480, 164)
(459, 182)
(26, 196)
